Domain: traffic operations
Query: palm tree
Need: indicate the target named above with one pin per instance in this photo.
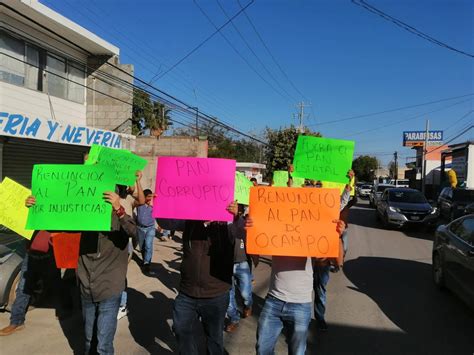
(160, 120)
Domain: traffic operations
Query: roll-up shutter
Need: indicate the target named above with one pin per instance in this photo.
(19, 156)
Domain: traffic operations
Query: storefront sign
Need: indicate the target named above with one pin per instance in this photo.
(417, 138)
(18, 125)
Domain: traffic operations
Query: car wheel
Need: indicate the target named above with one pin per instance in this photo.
(438, 271)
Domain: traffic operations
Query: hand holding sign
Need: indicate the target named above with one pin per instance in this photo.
(293, 222)
(194, 188)
(69, 197)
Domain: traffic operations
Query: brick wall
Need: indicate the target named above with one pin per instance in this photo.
(151, 147)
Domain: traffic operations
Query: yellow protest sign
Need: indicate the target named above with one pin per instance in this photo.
(13, 212)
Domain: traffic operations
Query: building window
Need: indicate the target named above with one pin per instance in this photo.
(12, 66)
(57, 83)
(76, 76)
(20, 64)
(32, 67)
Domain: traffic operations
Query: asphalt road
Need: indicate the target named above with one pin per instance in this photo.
(382, 302)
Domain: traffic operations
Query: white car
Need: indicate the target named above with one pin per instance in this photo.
(364, 191)
(400, 182)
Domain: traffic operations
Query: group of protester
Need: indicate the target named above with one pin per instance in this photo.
(214, 268)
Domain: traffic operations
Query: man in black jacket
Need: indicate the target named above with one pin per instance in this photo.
(206, 277)
(102, 268)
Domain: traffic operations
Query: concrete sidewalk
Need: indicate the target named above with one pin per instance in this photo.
(147, 329)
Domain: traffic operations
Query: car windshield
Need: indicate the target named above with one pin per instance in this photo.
(383, 188)
(406, 196)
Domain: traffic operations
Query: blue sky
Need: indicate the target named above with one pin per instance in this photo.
(345, 60)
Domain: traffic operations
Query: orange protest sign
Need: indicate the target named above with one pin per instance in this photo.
(66, 249)
(293, 222)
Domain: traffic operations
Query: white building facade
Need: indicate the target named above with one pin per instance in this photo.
(54, 100)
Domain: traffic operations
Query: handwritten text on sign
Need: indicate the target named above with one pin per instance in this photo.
(323, 158)
(293, 222)
(70, 198)
(13, 212)
(123, 162)
(194, 188)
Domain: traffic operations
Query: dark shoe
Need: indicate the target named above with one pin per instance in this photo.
(247, 312)
(231, 327)
(322, 326)
(11, 329)
(146, 268)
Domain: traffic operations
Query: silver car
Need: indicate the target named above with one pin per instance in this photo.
(377, 192)
(401, 206)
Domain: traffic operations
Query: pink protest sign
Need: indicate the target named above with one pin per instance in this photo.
(194, 188)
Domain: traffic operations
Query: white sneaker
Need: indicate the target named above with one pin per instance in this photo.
(123, 311)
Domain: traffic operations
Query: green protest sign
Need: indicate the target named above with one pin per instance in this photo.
(280, 178)
(122, 161)
(70, 198)
(242, 188)
(325, 159)
(297, 181)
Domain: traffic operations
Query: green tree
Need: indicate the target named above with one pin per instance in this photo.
(221, 144)
(365, 167)
(281, 147)
(148, 114)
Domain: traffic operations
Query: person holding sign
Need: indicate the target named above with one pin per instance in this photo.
(206, 277)
(102, 269)
(288, 303)
(146, 229)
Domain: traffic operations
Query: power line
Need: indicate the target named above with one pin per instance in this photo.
(407, 119)
(253, 52)
(205, 41)
(205, 117)
(149, 58)
(451, 125)
(391, 110)
(270, 52)
(408, 27)
(463, 131)
(240, 54)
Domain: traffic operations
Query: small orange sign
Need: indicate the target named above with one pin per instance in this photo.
(293, 222)
(66, 249)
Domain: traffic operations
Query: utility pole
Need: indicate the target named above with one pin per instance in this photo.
(301, 106)
(423, 166)
(197, 121)
(395, 158)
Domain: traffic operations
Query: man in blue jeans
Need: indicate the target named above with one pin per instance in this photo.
(288, 303)
(242, 281)
(206, 277)
(101, 270)
(146, 229)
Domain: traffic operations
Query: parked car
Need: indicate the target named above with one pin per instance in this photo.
(364, 191)
(469, 209)
(400, 182)
(453, 257)
(453, 202)
(12, 252)
(377, 192)
(402, 206)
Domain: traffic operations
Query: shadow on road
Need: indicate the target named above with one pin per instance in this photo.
(430, 321)
(150, 321)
